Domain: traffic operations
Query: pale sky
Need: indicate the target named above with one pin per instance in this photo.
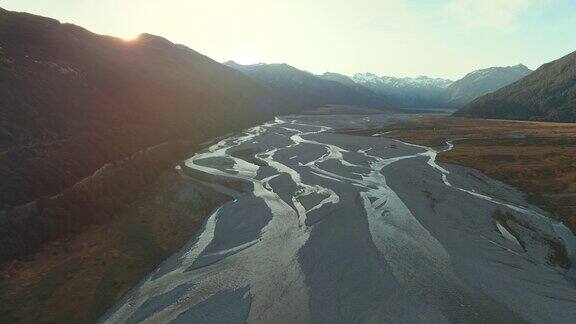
(438, 38)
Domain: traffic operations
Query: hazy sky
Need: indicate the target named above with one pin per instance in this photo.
(439, 38)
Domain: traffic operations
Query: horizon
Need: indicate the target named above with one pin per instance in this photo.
(457, 36)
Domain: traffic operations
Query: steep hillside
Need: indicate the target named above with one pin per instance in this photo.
(481, 82)
(548, 94)
(421, 92)
(71, 101)
(306, 90)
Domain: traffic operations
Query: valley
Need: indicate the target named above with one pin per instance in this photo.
(338, 230)
(143, 181)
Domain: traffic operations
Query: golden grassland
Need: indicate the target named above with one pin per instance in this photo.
(536, 157)
(74, 280)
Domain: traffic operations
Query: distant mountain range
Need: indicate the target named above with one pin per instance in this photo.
(306, 90)
(420, 92)
(548, 94)
(426, 92)
(511, 92)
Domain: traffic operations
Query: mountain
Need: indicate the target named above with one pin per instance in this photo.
(340, 78)
(420, 92)
(481, 82)
(426, 92)
(306, 90)
(349, 82)
(72, 101)
(547, 94)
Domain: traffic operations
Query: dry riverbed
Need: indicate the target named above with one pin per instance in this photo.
(337, 228)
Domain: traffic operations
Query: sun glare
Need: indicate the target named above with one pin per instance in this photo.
(129, 38)
(244, 57)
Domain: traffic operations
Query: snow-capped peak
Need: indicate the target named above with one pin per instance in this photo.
(421, 81)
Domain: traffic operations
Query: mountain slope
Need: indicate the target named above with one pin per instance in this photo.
(548, 94)
(349, 82)
(306, 90)
(421, 92)
(71, 101)
(481, 82)
(337, 77)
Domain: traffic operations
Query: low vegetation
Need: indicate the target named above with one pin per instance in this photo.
(75, 278)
